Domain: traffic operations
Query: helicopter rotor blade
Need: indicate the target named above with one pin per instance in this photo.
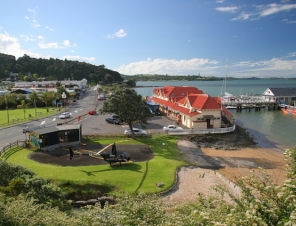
(109, 146)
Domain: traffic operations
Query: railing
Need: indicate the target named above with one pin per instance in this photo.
(20, 143)
(204, 131)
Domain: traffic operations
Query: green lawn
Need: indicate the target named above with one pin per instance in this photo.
(131, 177)
(14, 116)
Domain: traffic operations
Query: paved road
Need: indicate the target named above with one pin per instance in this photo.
(91, 124)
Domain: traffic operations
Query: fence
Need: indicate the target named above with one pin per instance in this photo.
(204, 131)
(20, 143)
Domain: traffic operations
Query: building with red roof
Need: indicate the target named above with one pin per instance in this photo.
(191, 107)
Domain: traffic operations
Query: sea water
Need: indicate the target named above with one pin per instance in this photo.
(270, 128)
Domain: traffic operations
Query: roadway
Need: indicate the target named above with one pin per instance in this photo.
(91, 124)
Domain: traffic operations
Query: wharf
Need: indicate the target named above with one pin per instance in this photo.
(248, 105)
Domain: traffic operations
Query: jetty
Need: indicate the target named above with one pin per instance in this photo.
(255, 102)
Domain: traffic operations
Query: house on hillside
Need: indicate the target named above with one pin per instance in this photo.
(192, 108)
(280, 95)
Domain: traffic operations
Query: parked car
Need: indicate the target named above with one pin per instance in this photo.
(65, 115)
(172, 128)
(117, 118)
(92, 112)
(112, 121)
(137, 132)
(101, 97)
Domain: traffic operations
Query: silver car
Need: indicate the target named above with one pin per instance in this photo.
(137, 132)
(65, 115)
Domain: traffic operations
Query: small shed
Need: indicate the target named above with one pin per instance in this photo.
(49, 138)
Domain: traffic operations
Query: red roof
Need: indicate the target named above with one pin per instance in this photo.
(180, 95)
(174, 106)
(176, 93)
(201, 101)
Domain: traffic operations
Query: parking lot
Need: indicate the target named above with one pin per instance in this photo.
(96, 124)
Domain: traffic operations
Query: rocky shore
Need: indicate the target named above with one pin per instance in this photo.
(235, 140)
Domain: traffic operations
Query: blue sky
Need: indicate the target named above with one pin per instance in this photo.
(174, 37)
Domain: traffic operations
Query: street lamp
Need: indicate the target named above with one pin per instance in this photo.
(64, 96)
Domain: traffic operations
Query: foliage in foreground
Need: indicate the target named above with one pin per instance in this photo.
(261, 203)
(15, 180)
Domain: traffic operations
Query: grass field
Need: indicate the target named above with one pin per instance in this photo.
(19, 115)
(132, 177)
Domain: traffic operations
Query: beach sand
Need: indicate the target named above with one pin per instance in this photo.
(210, 167)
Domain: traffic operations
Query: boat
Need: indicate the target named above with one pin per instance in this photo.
(288, 111)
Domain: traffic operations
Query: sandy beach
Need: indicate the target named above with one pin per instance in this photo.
(211, 166)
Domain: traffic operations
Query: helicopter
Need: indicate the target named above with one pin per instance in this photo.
(113, 157)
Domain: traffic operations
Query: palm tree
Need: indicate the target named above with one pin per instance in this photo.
(52, 96)
(23, 103)
(45, 98)
(34, 97)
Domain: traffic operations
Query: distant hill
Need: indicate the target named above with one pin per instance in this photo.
(55, 69)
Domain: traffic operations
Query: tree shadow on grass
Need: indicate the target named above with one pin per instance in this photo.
(143, 178)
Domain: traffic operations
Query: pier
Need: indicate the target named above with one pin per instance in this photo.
(247, 105)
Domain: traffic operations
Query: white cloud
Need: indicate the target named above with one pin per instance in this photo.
(56, 45)
(48, 28)
(11, 46)
(27, 38)
(80, 58)
(166, 66)
(243, 16)
(289, 21)
(231, 9)
(119, 34)
(275, 67)
(270, 9)
(219, 1)
(259, 11)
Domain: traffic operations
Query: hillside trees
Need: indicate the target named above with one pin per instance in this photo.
(56, 69)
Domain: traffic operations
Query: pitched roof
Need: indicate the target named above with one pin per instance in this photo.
(174, 106)
(201, 101)
(288, 91)
(177, 92)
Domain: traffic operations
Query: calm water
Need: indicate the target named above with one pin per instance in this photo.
(271, 129)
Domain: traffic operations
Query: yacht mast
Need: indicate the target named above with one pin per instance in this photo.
(223, 89)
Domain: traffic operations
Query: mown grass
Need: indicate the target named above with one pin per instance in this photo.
(14, 114)
(132, 177)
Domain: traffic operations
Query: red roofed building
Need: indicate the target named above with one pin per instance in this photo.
(192, 108)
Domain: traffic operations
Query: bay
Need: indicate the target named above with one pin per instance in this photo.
(270, 129)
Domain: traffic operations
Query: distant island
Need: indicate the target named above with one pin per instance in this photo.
(157, 77)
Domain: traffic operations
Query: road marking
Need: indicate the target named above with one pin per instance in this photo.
(42, 122)
(53, 119)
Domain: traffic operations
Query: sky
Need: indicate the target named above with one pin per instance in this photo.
(233, 38)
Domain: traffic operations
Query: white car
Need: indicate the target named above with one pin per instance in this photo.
(137, 132)
(172, 128)
(65, 115)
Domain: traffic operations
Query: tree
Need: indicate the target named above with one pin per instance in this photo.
(128, 105)
(52, 96)
(23, 104)
(34, 97)
(45, 98)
